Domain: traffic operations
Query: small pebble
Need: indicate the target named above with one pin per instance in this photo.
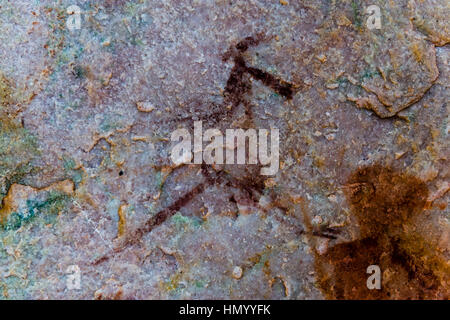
(145, 106)
(237, 272)
(332, 85)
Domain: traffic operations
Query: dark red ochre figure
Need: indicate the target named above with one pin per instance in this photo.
(249, 185)
(386, 205)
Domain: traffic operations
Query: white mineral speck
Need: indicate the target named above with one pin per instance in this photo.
(237, 272)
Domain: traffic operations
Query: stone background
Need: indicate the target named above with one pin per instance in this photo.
(86, 118)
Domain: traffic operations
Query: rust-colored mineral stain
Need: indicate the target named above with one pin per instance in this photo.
(383, 202)
(122, 220)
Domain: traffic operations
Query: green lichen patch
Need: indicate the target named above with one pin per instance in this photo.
(357, 15)
(17, 148)
(17, 145)
(182, 222)
(71, 171)
(5, 92)
(46, 209)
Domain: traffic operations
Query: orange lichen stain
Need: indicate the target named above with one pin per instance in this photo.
(386, 204)
(172, 284)
(12, 98)
(442, 205)
(5, 91)
(122, 220)
(417, 51)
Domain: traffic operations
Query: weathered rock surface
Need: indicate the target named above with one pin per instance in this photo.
(94, 109)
